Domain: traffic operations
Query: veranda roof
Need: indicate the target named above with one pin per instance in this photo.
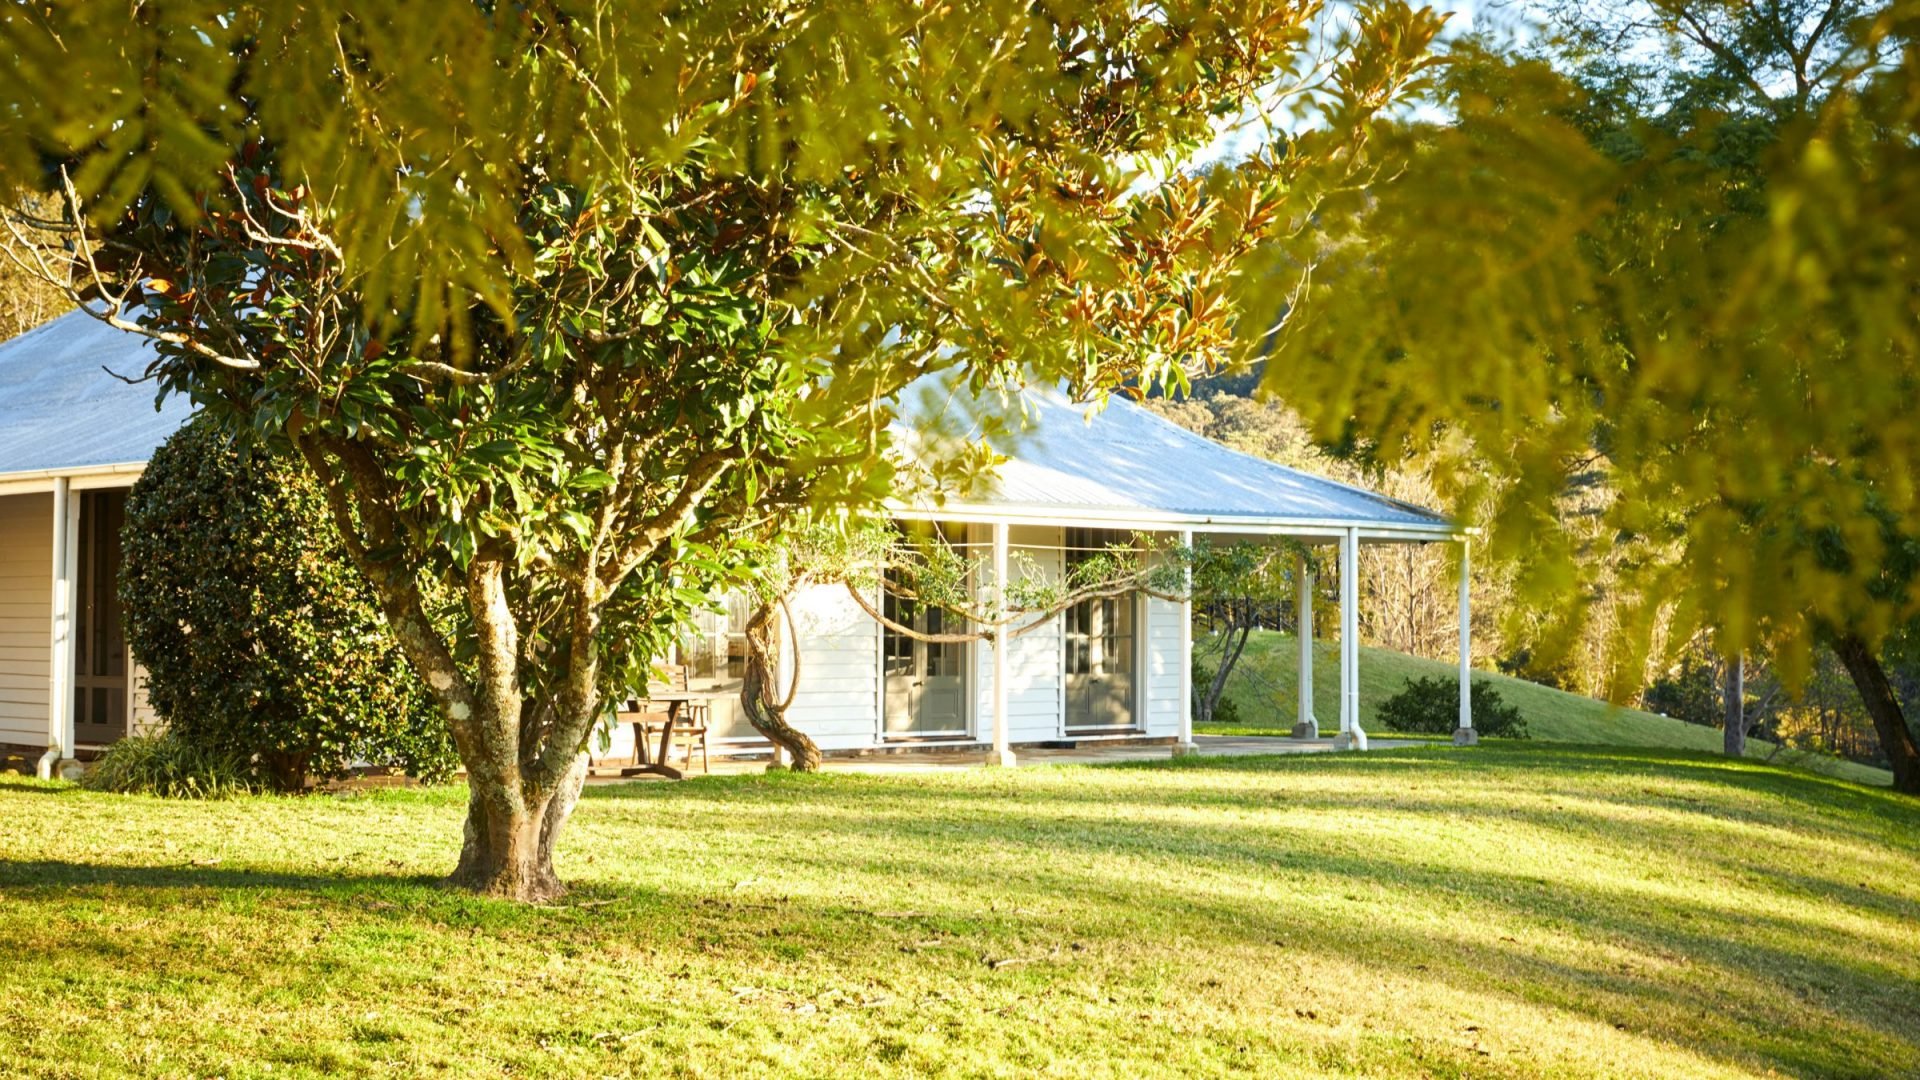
(61, 412)
(1127, 466)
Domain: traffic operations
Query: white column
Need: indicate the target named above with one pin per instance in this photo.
(1185, 745)
(60, 659)
(1352, 735)
(1464, 735)
(1304, 726)
(1002, 750)
(74, 502)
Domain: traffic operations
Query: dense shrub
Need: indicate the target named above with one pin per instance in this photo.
(1523, 664)
(259, 639)
(1432, 705)
(168, 765)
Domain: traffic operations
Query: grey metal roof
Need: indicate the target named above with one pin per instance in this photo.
(1128, 460)
(59, 410)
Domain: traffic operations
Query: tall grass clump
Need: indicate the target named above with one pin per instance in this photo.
(171, 767)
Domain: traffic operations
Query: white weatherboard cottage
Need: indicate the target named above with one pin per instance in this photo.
(73, 439)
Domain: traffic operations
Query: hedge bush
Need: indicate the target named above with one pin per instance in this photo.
(258, 637)
(1432, 705)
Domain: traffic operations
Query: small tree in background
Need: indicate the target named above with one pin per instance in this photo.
(259, 638)
(1235, 589)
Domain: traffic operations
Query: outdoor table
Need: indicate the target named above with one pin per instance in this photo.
(647, 764)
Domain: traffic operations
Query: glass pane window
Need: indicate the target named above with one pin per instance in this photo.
(715, 652)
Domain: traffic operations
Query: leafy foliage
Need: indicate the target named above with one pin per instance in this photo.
(1692, 694)
(1713, 310)
(1432, 706)
(170, 766)
(260, 641)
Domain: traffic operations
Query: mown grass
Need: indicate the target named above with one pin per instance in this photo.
(1497, 912)
(1264, 687)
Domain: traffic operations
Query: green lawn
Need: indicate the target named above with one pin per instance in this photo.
(1268, 702)
(1505, 911)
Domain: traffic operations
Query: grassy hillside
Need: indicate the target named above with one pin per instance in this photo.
(1511, 911)
(1264, 688)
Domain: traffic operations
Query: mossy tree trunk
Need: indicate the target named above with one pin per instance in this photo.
(760, 692)
(525, 753)
(1889, 720)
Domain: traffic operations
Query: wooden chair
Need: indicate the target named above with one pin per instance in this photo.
(690, 723)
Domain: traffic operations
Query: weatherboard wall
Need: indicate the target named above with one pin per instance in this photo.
(26, 617)
(839, 697)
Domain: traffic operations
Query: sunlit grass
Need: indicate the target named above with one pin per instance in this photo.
(1264, 687)
(1503, 911)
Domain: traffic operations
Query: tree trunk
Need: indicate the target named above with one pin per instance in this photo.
(1896, 738)
(1231, 648)
(760, 695)
(1736, 733)
(510, 835)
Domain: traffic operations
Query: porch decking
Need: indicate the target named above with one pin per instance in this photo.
(1084, 754)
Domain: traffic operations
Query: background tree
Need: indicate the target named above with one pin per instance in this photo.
(804, 550)
(556, 324)
(26, 298)
(1713, 307)
(1235, 590)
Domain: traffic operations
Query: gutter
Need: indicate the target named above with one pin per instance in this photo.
(1332, 528)
(28, 481)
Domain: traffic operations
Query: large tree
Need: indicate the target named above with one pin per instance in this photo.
(560, 299)
(1674, 249)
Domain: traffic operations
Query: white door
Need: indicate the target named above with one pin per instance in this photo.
(1100, 664)
(926, 686)
(1099, 648)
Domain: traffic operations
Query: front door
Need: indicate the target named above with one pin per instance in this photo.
(926, 684)
(100, 643)
(1099, 649)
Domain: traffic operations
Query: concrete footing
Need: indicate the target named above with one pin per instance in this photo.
(1184, 748)
(1304, 730)
(1348, 740)
(1466, 736)
(1003, 758)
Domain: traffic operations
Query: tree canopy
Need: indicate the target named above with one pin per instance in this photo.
(1709, 299)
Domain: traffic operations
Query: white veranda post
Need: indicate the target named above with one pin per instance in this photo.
(60, 669)
(1002, 750)
(1464, 735)
(1352, 735)
(1304, 725)
(1185, 745)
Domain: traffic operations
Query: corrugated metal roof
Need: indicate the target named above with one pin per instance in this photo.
(59, 409)
(1128, 460)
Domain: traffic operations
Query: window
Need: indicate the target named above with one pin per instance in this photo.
(716, 651)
